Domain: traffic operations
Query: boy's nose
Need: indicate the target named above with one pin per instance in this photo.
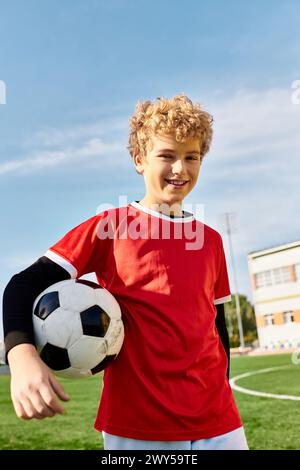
(178, 167)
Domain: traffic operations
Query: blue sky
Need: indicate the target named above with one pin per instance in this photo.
(74, 71)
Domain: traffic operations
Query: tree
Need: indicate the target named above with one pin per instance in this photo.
(248, 321)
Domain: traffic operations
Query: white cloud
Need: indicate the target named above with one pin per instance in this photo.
(34, 162)
(51, 148)
(256, 131)
(44, 159)
(49, 137)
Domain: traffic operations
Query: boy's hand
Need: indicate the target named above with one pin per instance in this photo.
(34, 388)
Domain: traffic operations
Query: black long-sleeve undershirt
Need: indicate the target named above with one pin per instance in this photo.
(19, 296)
(23, 288)
(223, 333)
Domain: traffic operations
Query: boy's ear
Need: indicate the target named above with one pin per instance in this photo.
(138, 163)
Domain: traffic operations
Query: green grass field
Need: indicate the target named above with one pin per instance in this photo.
(269, 423)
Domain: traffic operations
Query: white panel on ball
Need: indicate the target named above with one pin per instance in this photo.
(63, 327)
(76, 296)
(80, 352)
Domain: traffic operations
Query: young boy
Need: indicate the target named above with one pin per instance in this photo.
(168, 387)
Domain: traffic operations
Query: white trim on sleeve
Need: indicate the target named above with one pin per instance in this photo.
(62, 262)
(222, 300)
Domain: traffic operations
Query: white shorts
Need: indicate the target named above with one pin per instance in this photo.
(233, 440)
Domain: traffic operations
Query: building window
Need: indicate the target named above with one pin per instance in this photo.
(297, 271)
(288, 317)
(263, 279)
(269, 319)
(281, 275)
(275, 276)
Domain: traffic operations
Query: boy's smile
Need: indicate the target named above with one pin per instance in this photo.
(170, 171)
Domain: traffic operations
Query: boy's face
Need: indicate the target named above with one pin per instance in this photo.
(166, 160)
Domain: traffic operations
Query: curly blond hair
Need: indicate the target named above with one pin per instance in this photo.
(177, 116)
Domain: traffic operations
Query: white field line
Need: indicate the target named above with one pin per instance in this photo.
(247, 391)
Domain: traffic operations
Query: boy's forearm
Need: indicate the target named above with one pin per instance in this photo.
(20, 351)
(19, 296)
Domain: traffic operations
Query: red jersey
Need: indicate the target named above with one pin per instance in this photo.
(169, 380)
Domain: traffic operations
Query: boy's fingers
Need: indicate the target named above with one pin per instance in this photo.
(41, 406)
(29, 410)
(50, 399)
(19, 409)
(57, 387)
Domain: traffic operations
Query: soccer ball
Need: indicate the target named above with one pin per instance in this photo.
(78, 327)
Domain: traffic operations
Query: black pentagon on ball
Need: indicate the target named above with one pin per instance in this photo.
(103, 364)
(91, 284)
(95, 321)
(46, 305)
(56, 358)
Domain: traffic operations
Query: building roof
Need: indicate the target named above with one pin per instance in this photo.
(274, 249)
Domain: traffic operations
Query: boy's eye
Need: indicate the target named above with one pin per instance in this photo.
(192, 157)
(170, 156)
(189, 157)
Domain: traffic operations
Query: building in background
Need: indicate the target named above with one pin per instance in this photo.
(275, 279)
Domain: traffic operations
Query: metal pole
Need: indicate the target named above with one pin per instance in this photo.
(237, 300)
